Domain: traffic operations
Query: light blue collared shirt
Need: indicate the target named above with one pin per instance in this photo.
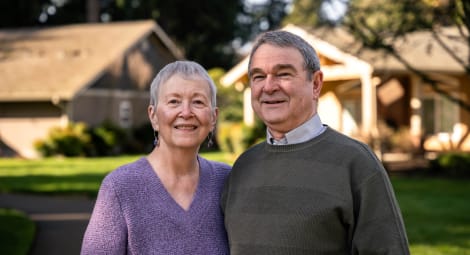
(310, 129)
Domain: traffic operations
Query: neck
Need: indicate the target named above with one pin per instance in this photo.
(174, 162)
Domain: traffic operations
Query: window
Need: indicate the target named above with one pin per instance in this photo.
(125, 114)
(439, 115)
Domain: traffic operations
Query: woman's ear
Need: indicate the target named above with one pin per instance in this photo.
(215, 114)
(152, 113)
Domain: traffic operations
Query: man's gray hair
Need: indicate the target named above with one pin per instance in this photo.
(284, 39)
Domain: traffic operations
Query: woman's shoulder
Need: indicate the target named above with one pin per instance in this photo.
(127, 172)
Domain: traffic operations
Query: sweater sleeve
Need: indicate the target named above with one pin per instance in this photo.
(379, 224)
(106, 232)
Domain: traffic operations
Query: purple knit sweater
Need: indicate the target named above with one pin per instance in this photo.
(134, 214)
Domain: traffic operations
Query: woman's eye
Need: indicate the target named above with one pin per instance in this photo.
(173, 101)
(199, 102)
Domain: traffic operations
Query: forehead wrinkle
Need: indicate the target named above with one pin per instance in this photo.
(275, 68)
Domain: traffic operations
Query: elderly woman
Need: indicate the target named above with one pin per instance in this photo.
(167, 202)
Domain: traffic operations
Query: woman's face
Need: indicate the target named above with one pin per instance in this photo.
(184, 115)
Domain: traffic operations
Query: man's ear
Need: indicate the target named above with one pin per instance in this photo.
(317, 83)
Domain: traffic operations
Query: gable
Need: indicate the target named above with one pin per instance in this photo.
(336, 64)
(57, 62)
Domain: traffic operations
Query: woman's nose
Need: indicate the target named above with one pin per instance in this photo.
(186, 110)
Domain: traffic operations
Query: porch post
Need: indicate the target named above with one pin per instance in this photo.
(248, 114)
(369, 103)
(416, 111)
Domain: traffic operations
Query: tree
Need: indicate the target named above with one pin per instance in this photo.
(379, 24)
(204, 29)
(258, 17)
(306, 12)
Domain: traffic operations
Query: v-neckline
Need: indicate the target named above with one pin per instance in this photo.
(170, 203)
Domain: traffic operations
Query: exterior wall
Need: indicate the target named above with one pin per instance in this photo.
(119, 95)
(96, 106)
(23, 123)
(395, 112)
(339, 106)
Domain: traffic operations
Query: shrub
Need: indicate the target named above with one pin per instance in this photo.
(107, 139)
(229, 137)
(236, 137)
(71, 140)
(16, 232)
(254, 134)
(454, 164)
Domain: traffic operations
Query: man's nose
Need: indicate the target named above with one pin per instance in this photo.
(271, 84)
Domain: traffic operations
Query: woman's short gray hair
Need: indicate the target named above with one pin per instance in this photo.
(282, 38)
(186, 69)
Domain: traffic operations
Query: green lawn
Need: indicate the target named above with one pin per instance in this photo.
(64, 175)
(436, 213)
(436, 210)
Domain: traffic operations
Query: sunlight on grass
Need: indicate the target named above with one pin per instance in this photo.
(57, 175)
(67, 175)
(436, 214)
(436, 211)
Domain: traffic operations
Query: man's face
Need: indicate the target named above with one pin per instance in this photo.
(281, 93)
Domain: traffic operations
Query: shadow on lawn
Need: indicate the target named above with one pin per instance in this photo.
(80, 184)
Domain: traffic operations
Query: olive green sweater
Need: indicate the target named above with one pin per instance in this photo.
(329, 195)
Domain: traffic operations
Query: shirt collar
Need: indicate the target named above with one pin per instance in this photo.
(308, 130)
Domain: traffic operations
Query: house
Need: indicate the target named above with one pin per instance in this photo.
(77, 73)
(367, 93)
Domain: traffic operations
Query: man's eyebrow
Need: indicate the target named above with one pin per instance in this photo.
(283, 66)
(276, 68)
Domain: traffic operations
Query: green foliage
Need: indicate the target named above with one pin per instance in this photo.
(106, 139)
(384, 16)
(233, 136)
(229, 99)
(68, 141)
(454, 164)
(304, 12)
(230, 137)
(16, 232)
(254, 134)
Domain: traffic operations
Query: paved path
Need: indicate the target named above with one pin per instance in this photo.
(60, 221)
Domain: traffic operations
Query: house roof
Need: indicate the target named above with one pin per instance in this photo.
(55, 63)
(347, 67)
(422, 49)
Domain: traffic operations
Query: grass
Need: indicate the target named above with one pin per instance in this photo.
(436, 211)
(65, 175)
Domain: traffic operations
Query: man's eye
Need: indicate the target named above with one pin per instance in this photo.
(257, 77)
(283, 74)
